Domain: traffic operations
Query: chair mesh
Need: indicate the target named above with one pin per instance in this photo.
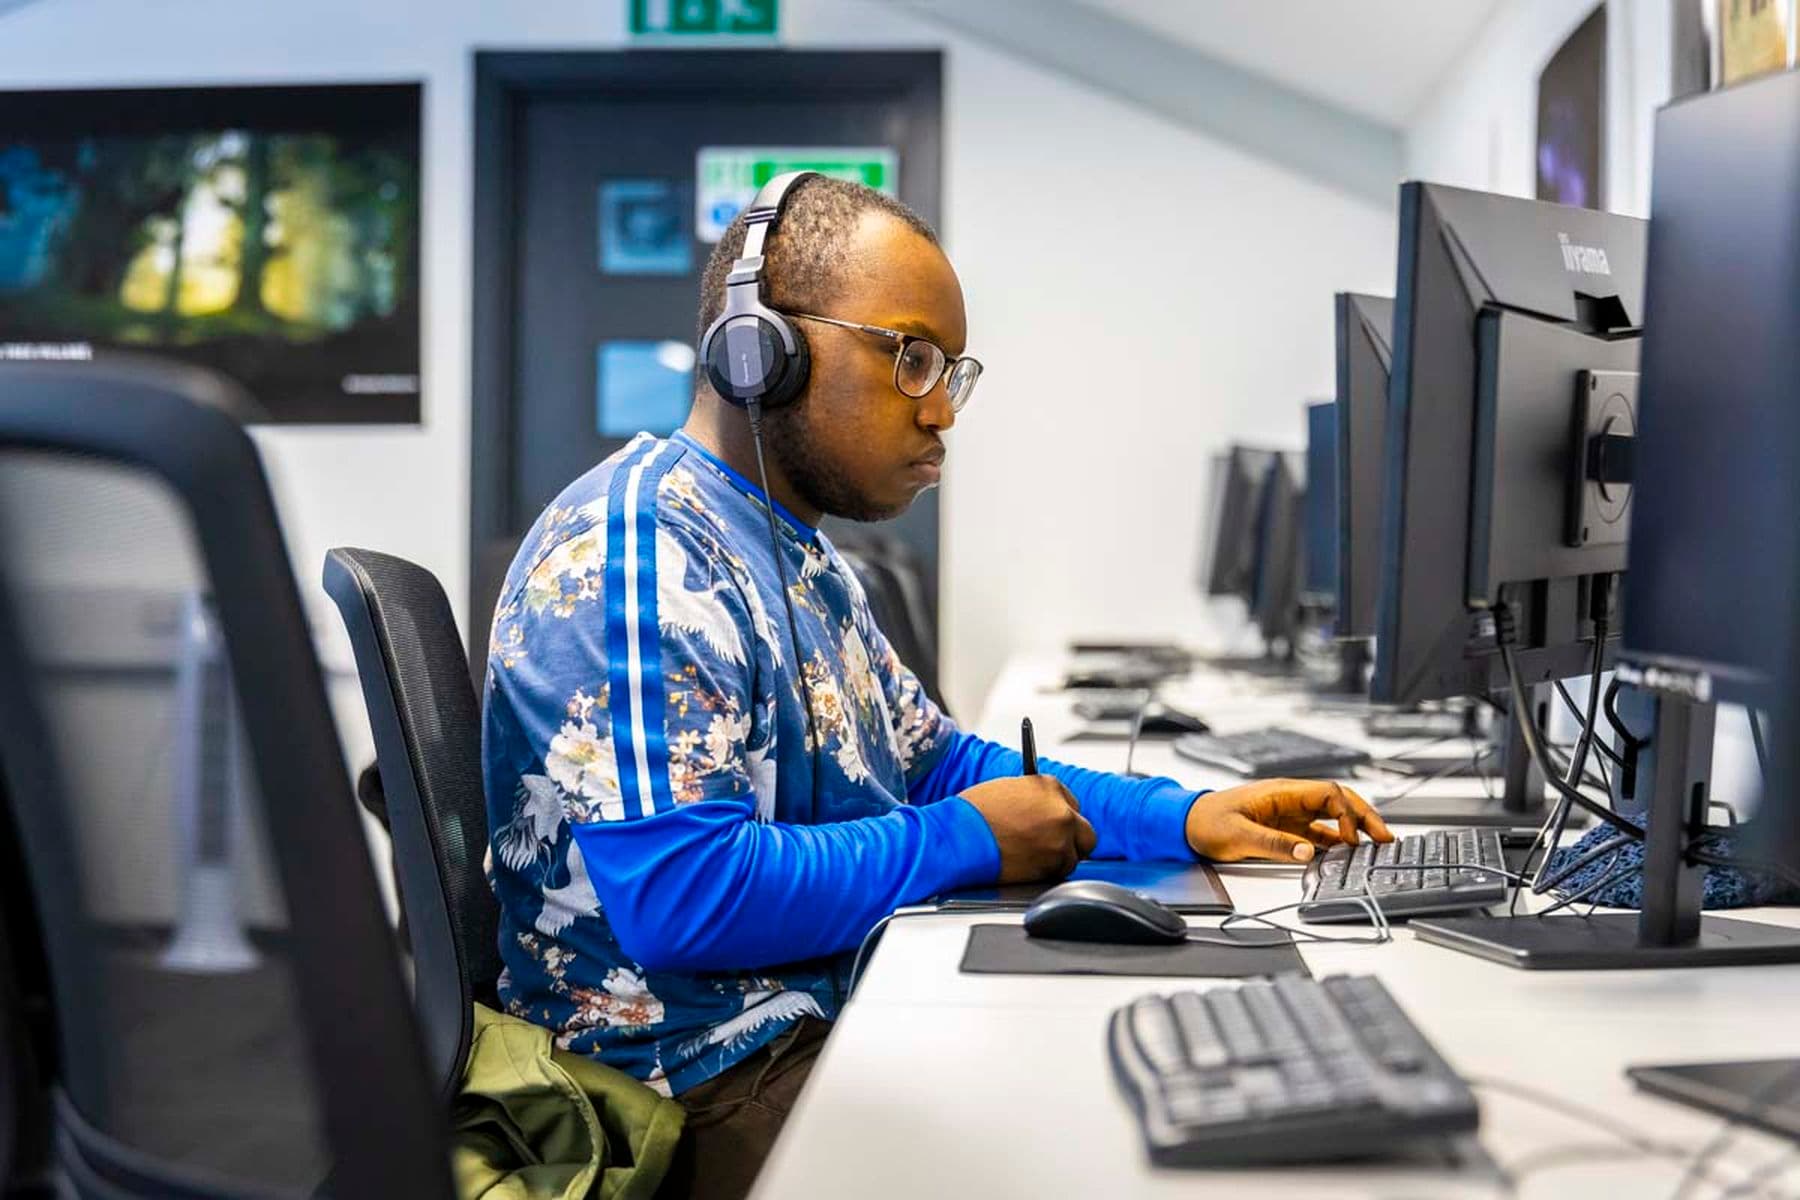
(171, 950)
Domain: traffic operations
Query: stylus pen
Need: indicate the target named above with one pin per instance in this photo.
(1028, 746)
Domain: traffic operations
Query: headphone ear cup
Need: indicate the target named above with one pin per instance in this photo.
(745, 357)
(797, 369)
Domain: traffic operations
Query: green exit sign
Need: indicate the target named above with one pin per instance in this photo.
(703, 18)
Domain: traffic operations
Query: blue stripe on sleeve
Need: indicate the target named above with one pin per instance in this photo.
(620, 633)
(651, 695)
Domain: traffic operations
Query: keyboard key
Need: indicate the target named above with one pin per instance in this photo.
(1205, 1049)
(1324, 1026)
(1153, 1025)
(1235, 1026)
(1271, 1016)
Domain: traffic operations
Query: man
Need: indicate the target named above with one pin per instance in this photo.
(687, 852)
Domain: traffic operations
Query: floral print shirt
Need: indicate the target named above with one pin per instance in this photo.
(644, 741)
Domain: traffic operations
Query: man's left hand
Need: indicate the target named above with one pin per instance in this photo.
(1285, 820)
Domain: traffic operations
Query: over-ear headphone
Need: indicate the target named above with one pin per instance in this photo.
(753, 352)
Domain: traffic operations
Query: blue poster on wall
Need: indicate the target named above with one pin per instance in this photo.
(643, 227)
(643, 387)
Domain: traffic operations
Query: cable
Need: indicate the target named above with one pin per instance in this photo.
(1533, 740)
(1562, 690)
(1421, 781)
(1383, 934)
(1562, 873)
(793, 624)
(1578, 757)
(1568, 1108)
(1737, 862)
(1752, 1184)
(1517, 880)
(1599, 885)
(1603, 1122)
(1762, 751)
(1503, 636)
(1632, 741)
(1767, 1096)
(1137, 728)
(872, 939)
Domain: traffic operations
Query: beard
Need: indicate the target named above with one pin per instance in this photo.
(811, 471)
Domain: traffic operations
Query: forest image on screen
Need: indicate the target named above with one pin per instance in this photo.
(282, 255)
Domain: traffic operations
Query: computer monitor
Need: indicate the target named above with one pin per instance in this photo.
(1709, 608)
(1364, 354)
(1229, 568)
(1501, 305)
(1318, 584)
(1275, 575)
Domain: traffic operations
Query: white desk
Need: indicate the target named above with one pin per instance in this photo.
(939, 1084)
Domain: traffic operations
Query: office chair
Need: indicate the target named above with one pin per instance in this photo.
(27, 1032)
(231, 1014)
(892, 582)
(427, 726)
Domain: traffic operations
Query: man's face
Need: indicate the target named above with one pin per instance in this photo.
(853, 445)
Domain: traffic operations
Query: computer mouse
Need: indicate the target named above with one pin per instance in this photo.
(1160, 719)
(1087, 910)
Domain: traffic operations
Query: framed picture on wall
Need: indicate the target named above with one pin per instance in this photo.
(1755, 37)
(269, 233)
(1571, 118)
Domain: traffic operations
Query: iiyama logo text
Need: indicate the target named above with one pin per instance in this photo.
(1590, 259)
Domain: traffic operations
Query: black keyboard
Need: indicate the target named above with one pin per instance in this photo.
(1439, 876)
(1268, 753)
(1281, 1072)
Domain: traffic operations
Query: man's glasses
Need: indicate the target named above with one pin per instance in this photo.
(918, 362)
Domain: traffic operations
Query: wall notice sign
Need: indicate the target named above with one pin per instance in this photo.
(703, 18)
(728, 176)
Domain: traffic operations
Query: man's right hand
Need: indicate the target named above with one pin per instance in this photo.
(1037, 823)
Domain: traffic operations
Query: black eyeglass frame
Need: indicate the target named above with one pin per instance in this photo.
(901, 342)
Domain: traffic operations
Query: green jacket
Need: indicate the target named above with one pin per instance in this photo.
(536, 1123)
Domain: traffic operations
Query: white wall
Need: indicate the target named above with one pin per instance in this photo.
(1478, 127)
(1141, 295)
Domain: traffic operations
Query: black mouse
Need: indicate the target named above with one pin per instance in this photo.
(1087, 910)
(1160, 720)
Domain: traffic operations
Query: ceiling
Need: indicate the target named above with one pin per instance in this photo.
(1377, 58)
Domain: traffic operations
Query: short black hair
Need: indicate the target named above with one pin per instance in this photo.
(803, 258)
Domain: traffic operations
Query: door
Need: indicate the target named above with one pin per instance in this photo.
(590, 244)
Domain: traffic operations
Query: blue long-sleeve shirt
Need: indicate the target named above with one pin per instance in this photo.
(681, 875)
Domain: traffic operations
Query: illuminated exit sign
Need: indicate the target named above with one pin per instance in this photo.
(703, 18)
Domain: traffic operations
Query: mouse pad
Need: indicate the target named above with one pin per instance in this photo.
(1191, 888)
(1007, 950)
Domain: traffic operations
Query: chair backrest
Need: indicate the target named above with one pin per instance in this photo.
(27, 1028)
(231, 1014)
(427, 727)
(896, 601)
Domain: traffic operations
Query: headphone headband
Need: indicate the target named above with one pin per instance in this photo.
(764, 210)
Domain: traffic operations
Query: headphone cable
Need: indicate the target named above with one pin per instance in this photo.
(754, 407)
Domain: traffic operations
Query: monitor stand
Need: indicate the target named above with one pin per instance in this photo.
(1269, 664)
(1670, 931)
(1346, 691)
(1520, 804)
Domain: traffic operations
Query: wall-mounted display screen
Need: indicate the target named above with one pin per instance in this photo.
(270, 233)
(642, 387)
(1571, 118)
